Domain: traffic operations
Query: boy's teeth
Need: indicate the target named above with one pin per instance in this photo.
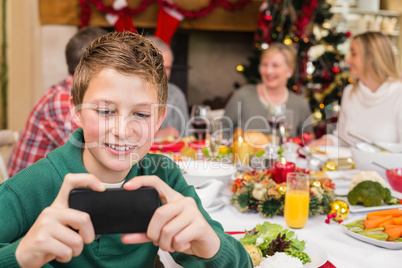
(120, 148)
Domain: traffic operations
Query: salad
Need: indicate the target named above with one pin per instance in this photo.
(269, 238)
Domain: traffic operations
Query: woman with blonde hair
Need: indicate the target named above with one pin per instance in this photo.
(372, 105)
(248, 107)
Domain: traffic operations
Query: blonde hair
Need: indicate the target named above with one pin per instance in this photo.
(377, 55)
(127, 53)
(289, 52)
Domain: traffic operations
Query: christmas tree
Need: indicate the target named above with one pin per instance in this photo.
(319, 74)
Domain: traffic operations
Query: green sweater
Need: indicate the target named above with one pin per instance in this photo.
(24, 196)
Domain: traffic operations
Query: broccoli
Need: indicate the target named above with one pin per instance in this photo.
(369, 194)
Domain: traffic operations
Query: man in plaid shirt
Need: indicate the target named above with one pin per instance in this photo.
(49, 124)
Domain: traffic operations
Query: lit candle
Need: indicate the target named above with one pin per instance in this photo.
(281, 170)
(241, 152)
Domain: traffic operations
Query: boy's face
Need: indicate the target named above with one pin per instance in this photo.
(119, 116)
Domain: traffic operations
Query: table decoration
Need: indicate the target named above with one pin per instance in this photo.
(256, 191)
(339, 211)
(281, 169)
(241, 152)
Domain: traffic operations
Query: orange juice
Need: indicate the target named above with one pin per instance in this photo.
(296, 208)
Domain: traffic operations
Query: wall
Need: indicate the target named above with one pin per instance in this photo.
(24, 60)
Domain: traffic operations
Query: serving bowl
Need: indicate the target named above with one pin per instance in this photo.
(197, 172)
(365, 154)
(394, 177)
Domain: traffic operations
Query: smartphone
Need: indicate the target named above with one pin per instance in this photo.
(117, 211)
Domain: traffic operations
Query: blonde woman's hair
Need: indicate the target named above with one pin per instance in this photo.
(377, 56)
(128, 53)
(289, 52)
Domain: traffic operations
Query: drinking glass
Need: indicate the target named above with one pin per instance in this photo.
(199, 121)
(216, 137)
(285, 124)
(297, 199)
(275, 114)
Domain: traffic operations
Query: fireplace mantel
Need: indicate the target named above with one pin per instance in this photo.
(67, 12)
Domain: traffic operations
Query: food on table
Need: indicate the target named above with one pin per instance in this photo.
(366, 176)
(280, 260)
(255, 139)
(317, 150)
(188, 152)
(371, 194)
(318, 174)
(272, 238)
(255, 253)
(381, 225)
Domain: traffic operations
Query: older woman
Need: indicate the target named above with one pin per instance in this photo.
(371, 106)
(248, 107)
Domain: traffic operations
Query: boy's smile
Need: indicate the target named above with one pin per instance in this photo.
(119, 116)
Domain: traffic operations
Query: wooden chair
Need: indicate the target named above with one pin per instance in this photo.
(7, 140)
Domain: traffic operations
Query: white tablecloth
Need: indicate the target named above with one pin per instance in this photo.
(343, 251)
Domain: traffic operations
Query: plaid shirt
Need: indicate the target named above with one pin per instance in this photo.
(49, 126)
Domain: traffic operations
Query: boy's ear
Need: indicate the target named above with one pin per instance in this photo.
(75, 114)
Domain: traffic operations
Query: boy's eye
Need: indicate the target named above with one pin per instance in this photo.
(142, 115)
(105, 112)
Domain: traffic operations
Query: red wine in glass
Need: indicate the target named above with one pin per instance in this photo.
(200, 128)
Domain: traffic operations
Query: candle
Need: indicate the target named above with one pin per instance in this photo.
(281, 169)
(241, 152)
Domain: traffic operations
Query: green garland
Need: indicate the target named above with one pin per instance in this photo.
(255, 191)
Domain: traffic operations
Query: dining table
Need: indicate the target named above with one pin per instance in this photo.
(341, 249)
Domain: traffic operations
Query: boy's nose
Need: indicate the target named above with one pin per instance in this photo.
(122, 128)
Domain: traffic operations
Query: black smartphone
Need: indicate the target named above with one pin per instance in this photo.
(117, 211)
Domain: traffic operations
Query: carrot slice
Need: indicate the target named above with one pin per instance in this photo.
(393, 233)
(387, 222)
(394, 212)
(370, 224)
(398, 220)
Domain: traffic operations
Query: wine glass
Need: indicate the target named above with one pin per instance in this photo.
(199, 121)
(286, 124)
(275, 114)
(216, 137)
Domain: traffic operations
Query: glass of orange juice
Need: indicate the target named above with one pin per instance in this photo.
(297, 199)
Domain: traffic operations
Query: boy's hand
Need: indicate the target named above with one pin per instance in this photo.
(178, 225)
(59, 232)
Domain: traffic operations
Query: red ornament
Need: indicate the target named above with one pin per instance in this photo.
(335, 69)
(348, 34)
(268, 17)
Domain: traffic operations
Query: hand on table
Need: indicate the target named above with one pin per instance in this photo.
(51, 236)
(178, 225)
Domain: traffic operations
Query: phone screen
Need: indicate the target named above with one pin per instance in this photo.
(117, 210)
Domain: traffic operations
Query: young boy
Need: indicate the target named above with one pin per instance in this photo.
(118, 97)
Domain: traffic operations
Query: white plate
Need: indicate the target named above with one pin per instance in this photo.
(379, 243)
(342, 178)
(356, 209)
(217, 204)
(331, 152)
(317, 255)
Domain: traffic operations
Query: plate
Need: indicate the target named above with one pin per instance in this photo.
(356, 209)
(317, 255)
(342, 178)
(379, 243)
(217, 204)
